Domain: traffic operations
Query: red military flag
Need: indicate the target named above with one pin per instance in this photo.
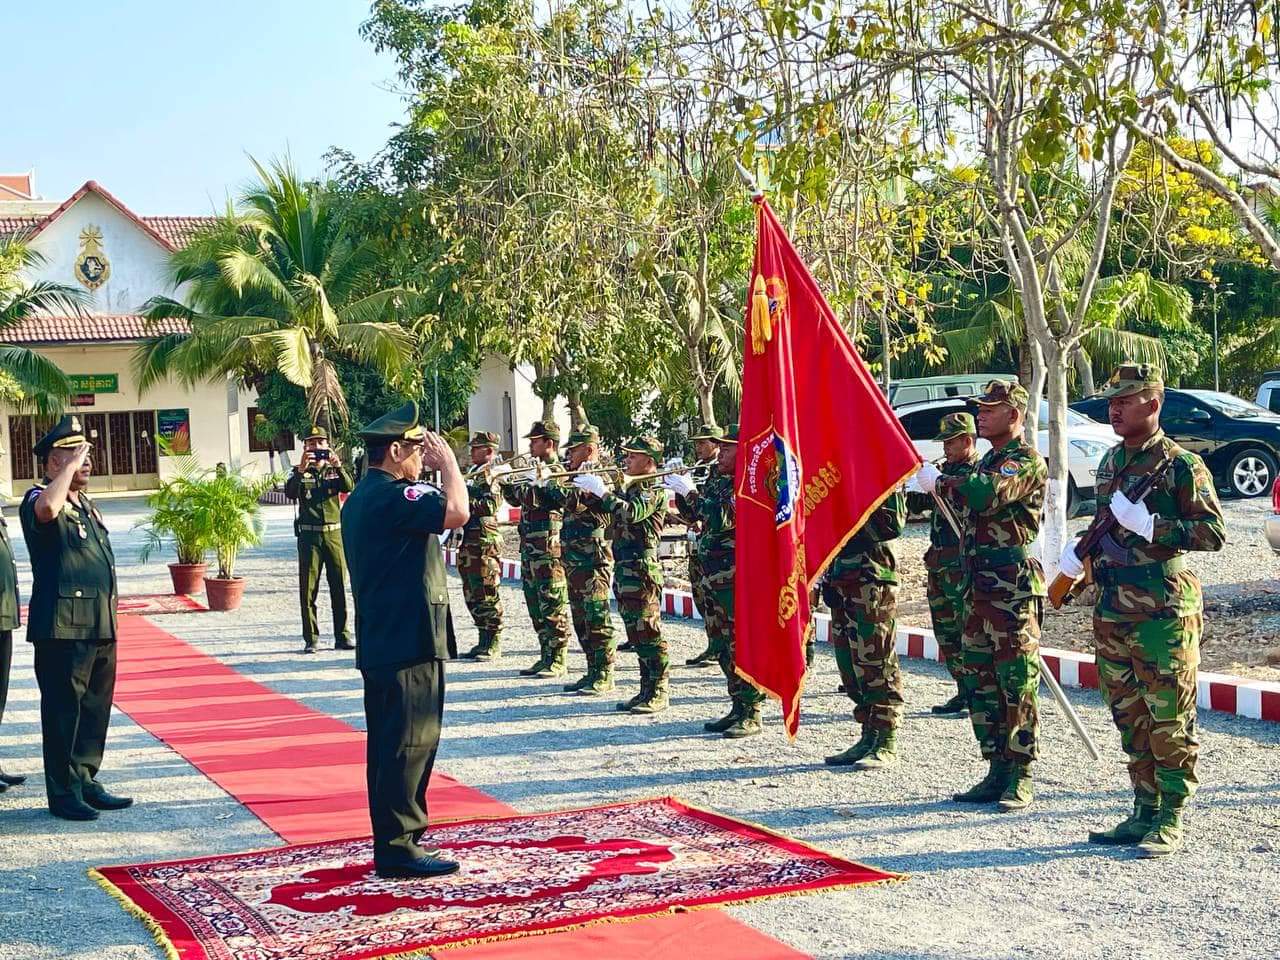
(819, 448)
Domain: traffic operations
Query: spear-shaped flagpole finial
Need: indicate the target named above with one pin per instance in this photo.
(748, 180)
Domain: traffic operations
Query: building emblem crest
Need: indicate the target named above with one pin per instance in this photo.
(92, 266)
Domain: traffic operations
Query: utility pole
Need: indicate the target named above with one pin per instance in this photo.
(1215, 339)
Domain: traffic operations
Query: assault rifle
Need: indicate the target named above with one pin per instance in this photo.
(1098, 538)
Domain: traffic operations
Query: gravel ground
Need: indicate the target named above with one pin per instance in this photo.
(982, 884)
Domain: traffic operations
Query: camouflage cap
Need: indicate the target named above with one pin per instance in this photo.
(956, 425)
(644, 444)
(730, 434)
(67, 434)
(317, 432)
(1131, 378)
(1005, 391)
(484, 438)
(709, 431)
(584, 434)
(400, 424)
(544, 430)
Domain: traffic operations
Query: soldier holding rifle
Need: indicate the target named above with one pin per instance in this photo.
(1148, 616)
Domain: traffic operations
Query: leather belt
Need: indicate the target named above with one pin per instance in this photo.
(318, 528)
(1109, 576)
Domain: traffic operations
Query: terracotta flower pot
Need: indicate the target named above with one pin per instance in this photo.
(188, 577)
(224, 594)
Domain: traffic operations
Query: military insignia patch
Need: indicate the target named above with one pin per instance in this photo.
(1008, 469)
(772, 476)
(415, 492)
(92, 266)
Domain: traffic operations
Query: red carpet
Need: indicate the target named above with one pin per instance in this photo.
(151, 604)
(302, 773)
(520, 876)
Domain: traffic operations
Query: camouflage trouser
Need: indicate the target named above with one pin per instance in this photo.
(547, 595)
(862, 624)
(637, 583)
(481, 573)
(1147, 671)
(589, 602)
(1001, 674)
(948, 604)
(697, 583)
(718, 615)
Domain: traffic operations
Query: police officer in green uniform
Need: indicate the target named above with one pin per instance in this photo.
(391, 529)
(72, 623)
(9, 621)
(315, 485)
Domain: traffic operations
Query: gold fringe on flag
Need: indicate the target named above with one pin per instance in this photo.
(761, 327)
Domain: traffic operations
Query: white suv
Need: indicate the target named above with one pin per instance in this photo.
(1087, 441)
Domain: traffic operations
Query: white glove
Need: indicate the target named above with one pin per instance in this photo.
(913, 485)
(501, 470)
(591, 484)
(927, 478)
(1133, 516)
(680, 483)
(1069, 563)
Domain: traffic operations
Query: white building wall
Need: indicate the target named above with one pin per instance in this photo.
(505, 403)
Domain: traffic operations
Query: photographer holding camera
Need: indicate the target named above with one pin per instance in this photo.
(315, 485)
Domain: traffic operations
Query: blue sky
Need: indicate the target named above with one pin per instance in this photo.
(162, 101)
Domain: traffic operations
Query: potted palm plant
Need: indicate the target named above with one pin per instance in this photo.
(174, 520)
(228, 502)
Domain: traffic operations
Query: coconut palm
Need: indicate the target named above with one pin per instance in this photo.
(280, 284)
(37, 380)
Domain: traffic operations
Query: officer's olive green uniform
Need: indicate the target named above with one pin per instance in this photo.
(72, 623)
(391, 533)
(318, 527)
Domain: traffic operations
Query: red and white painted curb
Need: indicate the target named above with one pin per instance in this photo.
(1256, 699)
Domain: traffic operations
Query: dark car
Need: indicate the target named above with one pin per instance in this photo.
(1239, 440)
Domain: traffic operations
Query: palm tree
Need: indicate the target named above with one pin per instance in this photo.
(284, 285)
(37, 380)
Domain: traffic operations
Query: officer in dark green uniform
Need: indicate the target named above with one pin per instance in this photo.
(72, 622)
(391, 528)
(9, 621)
(315, 484)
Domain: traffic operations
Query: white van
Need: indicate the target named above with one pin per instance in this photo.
(1269, 392)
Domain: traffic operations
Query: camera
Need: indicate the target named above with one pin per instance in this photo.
(320, 455)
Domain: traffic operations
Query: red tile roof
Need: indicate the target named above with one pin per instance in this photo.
(170, 232)
(17, 185)
(93, 328)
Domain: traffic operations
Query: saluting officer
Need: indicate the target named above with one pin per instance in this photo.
(1004, 498)
(706, 451)
(72, 623)
(949, 579)
(315, 484)
(9, 621)
(479, 563)
(391, 531)
(1150, 611)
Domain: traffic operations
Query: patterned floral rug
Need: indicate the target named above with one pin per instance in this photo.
(520, 876)
(149, 604)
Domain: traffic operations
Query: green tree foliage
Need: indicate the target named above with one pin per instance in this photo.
(26, 377)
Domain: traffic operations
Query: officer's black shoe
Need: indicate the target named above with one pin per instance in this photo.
(420, 868)
(11, 780)
(344, 645)
(101, 799)
(954, 707)
(73, 809)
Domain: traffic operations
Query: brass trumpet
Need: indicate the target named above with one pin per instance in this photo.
(624, 480)
(486, 467)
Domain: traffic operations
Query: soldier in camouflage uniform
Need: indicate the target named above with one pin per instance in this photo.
(588, 565)
(1003, 499)
(706, 450)
(639, 510)
(712, 508)
(861, 588)
(949, 581)
(1149, 612)
(479, 564)
(542, 574)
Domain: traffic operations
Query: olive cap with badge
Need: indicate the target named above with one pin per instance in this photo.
(1004, 391)
(66, 434)
(646, 444)
(484, 438)
(317, 432)
(403, 423)
(956, 425)
(544, 430)
(708, 431)
(587, 433)
(1132, 378)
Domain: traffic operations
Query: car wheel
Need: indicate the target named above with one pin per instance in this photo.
(1252, 472)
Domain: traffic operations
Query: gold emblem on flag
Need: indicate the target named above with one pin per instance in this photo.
(92, 266)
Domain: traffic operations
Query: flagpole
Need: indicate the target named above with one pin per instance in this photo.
(748, 181)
